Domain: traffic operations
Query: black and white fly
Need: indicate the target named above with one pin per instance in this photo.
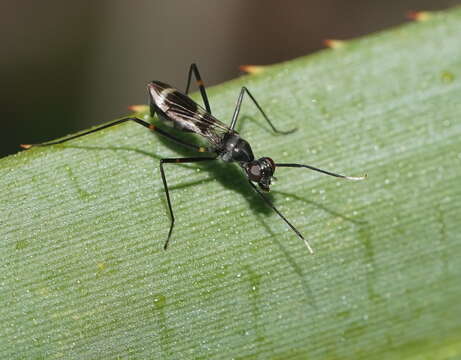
(184, 114)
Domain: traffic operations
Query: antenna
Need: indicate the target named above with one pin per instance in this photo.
(355, 178)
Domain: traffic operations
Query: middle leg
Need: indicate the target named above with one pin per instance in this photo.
(194, 70)
(165, 185)
(237, 111)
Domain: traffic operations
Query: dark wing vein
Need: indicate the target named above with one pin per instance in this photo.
(190, 116)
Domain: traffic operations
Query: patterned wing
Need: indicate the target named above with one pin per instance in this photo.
(185, 114)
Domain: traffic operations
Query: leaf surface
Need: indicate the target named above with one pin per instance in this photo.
(82, 269)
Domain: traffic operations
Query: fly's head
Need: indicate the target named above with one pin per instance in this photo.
(260, 171)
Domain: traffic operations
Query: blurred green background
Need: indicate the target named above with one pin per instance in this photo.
(69, 65)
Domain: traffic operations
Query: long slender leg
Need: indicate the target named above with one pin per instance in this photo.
(267, 201)
(237, 111)
(194, 70)
(165, 185)
(116, 122)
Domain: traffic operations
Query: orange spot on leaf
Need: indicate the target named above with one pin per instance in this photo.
(334, 43)
(252, 69)
(418, 15)
(138, 108)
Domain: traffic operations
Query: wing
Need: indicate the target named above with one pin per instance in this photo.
(185, 114)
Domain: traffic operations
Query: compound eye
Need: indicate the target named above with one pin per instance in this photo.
(269, 167)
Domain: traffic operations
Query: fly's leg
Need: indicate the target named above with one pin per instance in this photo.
(237, 111)
(165, 185)
(194, 70)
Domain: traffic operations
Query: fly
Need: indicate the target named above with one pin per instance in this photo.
(224, 143)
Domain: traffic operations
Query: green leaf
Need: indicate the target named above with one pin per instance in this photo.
(83, 273)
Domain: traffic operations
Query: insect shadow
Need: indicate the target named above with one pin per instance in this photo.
(229, 175)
